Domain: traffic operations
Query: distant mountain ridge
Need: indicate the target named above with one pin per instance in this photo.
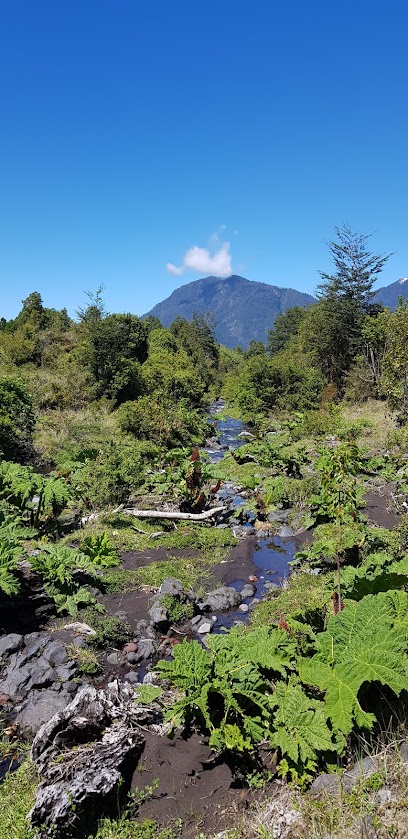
(388, 295)
(242, 310)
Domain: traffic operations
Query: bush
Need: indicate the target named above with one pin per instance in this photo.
(16, 418)
(167, 425)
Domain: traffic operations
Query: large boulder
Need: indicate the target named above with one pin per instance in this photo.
(221, 599)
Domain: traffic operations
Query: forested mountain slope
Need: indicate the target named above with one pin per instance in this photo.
(242, 310)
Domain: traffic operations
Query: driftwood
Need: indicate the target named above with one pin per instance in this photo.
(83, 754)
(175, 515)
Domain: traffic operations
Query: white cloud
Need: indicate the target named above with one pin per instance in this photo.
(200, 259)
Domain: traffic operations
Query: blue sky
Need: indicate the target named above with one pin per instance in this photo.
(132, 132)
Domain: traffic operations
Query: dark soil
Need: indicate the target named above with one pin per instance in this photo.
(379, 507)
(192, 785)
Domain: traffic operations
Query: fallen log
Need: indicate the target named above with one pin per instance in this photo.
(175, 515)
(83, 754)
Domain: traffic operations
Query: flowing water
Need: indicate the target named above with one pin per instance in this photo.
(271, 555)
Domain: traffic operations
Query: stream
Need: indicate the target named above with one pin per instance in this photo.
(271, 555)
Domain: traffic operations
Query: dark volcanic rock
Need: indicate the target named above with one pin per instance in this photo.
(221, 600)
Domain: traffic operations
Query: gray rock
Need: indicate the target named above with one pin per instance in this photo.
(132, 677)
(151, 633)
(270, 584)
(172, 587)
(205, 627)
(80, 641)
(56, 686)
(116, 658)
(278, 516)
(142, 625)
(39, 708)
(82, 628)
(248, 591)
(146, 648)
(41, 674)
(159, 616)
(285, 532)
(241, 531)
(121, 615)
(66, 671)
(384, 796)
(35, 643)
(404, 754)
(368, 830)
(9, 644)
(254, 602)
(194, 621)
(363, 769)
(55, 653)
(132, 658)
(221, 599)
(243, 607)
(325, 784)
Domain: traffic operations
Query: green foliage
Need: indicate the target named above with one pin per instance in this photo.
(167, 425)
(36, 496)
(110, 631)
(178, 612)
(366, 642)
(301, 730)
(99, 549)
(16, 418)
(60, 569)
(85, 660)
(225, 688)
(146, 694)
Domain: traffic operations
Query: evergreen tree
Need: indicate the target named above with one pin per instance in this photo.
(344, 301)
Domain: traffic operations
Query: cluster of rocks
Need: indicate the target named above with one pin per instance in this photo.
(37, 678)
(276, 523)
(222, 599)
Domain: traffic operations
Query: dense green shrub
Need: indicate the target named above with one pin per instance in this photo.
(165, 424)
(16, 418)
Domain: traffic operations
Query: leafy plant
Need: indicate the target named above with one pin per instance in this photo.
(60, 569)
(364, 643)
(99, 549)
(226, 689)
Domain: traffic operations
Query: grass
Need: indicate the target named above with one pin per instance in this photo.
(381, 423)
(124, 533)
(193, 572)
(304, 595)
(16, 799)
(85, 659)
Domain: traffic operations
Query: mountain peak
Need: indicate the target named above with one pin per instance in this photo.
(242, 310)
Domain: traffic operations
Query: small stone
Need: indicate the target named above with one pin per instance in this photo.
(254, 602)
(195, 620)
(384, 796)
(248, 591)
(252, 578)
(141, 625)
(115, 658)
(132, 658)
(172, 587)
(80, 641)
(285, 532)
(205, 628)
(243, 607)
(325, 784)
(214, 618)
(132, 677)
(121, 615)
(146, 648)
(222, 599)
(55, 653)
(131, 647)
